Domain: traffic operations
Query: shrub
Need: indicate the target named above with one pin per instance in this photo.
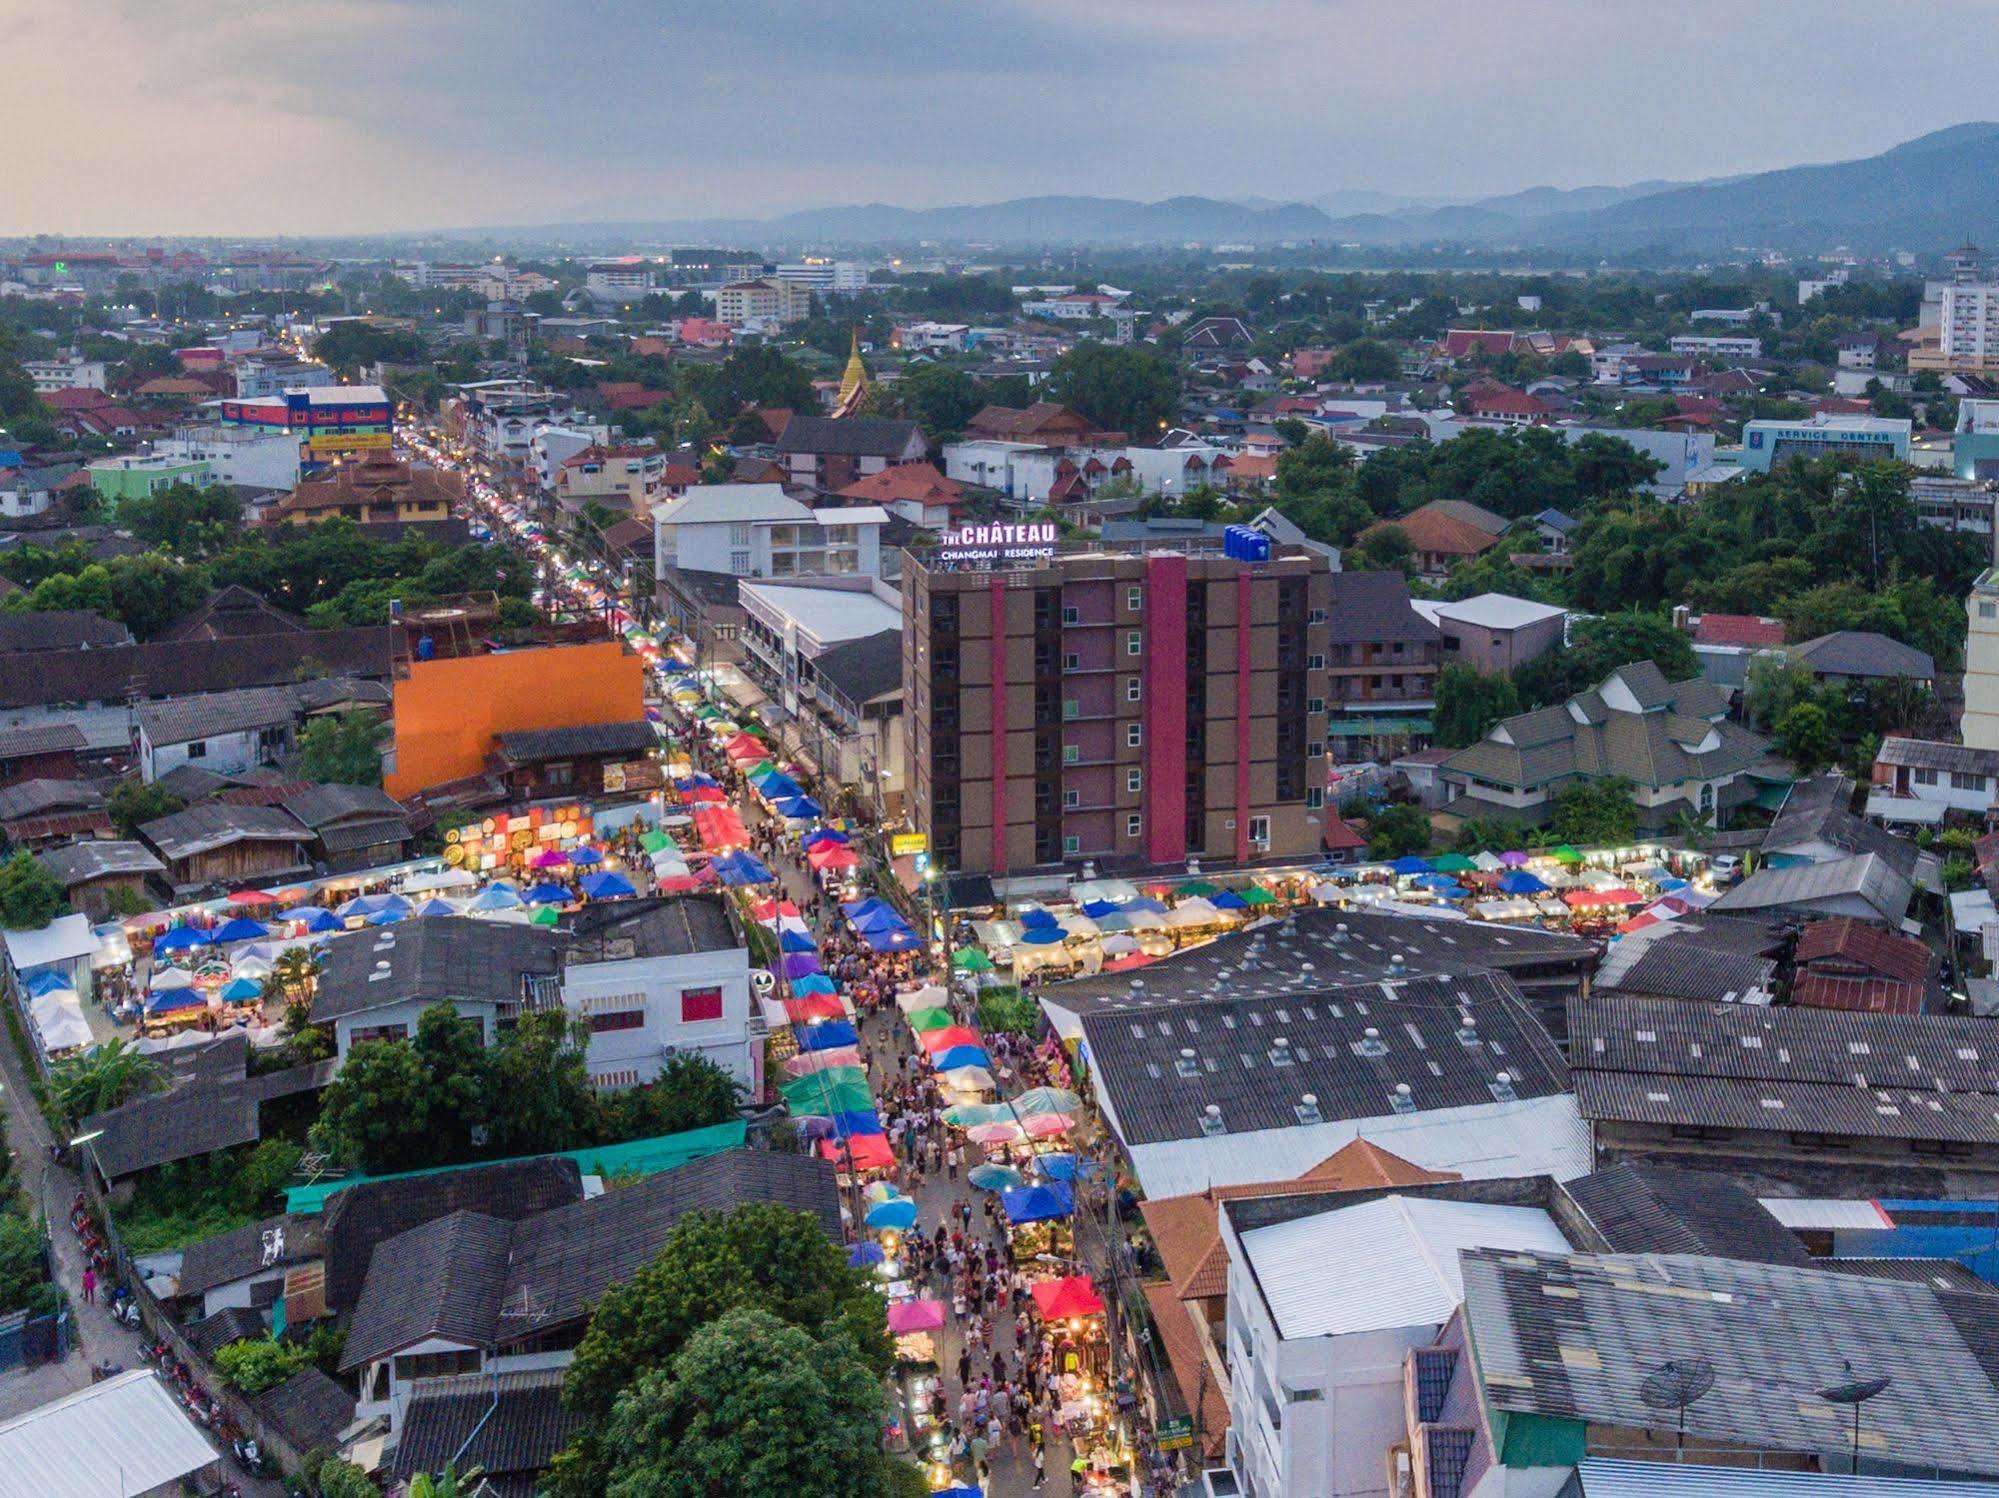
(256, 1364)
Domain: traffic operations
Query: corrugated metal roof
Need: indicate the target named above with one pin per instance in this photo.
(1826, 1213)
(1398, 1259)
(125, 1435)
(1612, 1479)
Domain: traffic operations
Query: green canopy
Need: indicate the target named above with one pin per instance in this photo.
(971, 960)
(707, 713)
(760, 769)
(930, 1019)
(656, 842)
(838, 1089)
(1453, 863)
(1196, 889)
(1256, 894)
(1565, 853)
(546, 916)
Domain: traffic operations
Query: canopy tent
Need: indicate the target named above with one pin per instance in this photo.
(823, 1036)
(740, 868)
(1452, 863)
(778, 786)
(1041, 936)
(907, 1316)
(1102, 891)
(1521, 882)
(896, 939)
(1041, 1102)
(797, 808)
(547, 915)
(1505, 910)
(805, 1063)
(1490, 862)
(437, 905)
(965, 1079)
(824, 835)
(1196, 889)
(1257, 895)
(745, 747)
(168, 978)
(818, 1006)
(929, 996)
(812, 983)
(1410, 864)
(494, 897)
(837, 1089)
(1056, 1167)
(548, 858)
(771, 911)
(796, 965)
(1062, 1299)
(548, 894)
(923, 1020)
(165, 1002)
(1038, 919)
(863, 1152)
(832, 858)
(971, 960)
(1049, 1202)
(607, 884)
(418, 884)
(796, 941)
(992, 1177)
(897, 1214)
(946, 1036)
(720, 827)
(1563, 853)
(1597, 899)
(179, 939)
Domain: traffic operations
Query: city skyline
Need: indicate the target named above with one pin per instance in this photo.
(362, 116)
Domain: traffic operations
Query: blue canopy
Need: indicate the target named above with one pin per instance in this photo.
(1448, 891)
(1143, 906)
(799, 808)
(1098, 908)
(961, 1055)
(1520, 883)
(813, 983)
(1044, 1203)
(1672, 884)
(585, 856)
(854, 1125)
(1434, 881)
(741, 867)
(362, 905)
(1228, 899)
(1042, 936)
(607, 884)
(958, 1493)
(175, 998)
(1410, 864)
(547, 894)
(1056, 1167)
(827, 1034)
(898, 1212)
(876, 917)
(437, 905)
(698, 783)
(856, 910)
(389, 915)
(394, 906)
(861, 1255)
(820, 835)
(796, 941)
(302, 913)
(326, 920)
(1039, 920)
(779, 787)
(49, 981)
(240, 929)
(900, 939)
(495, 897)
(179, 939)
(241, 991)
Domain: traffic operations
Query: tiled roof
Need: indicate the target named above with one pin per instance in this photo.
(319, 806)
(1863, 653)
(442, 957)
(36, 798)
(214, 824)
(211, 1334)
(1430, 530)
(175, 668)
(1654, 1209)
(531, 745)
(309, 1409)
(508, 1427)
(1200, 1390)
(907, 483)
(1373, 607)
(1669, 968)
(97, 858)
(1929, 754)
(240, 1252)
(182, 720)
(60, 629)
(1850, 946)
(852, 436)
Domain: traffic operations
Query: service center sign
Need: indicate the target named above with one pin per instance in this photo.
(998, 543)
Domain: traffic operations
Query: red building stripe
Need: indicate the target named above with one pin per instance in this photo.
(1244, 581)
(1165, 708)
(997, 598)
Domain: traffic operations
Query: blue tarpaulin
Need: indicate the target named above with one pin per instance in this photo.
(960, 1055)
(1044, 1203)
(548, 894)
(740, 868)
(49, 982)
(1039, 920)
(1042, 936)
(1412, 865)
(827, 1034)
(179, 939)
(607, 884)
(240, 929)
(1521, 884)
(897, 939)
(161, 1001)
(854, 1125)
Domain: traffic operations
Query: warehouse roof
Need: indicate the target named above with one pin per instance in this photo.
(1654, 1209)
(127, 1434)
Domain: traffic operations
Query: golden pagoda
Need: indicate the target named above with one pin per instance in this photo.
(854, 386)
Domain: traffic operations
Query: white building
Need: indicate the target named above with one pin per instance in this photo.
(225, 732)
(553, 445)
(1031, 475)
(788, 626)
(624, 279)
(757, 530)
(74, 373)
(1934, 777)
(1980, 725)
(257, 379)
(254, 458)
(825, 275)
(499, 418)
(1817, 286)
(1968, 324)
(765, 302)
(933, 337)
(1718, 345)
(1322, 1310)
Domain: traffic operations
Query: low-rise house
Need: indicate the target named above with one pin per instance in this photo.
(40, 752)
(1381, 667)
(1848, 964)
(825, 454)
(353, 826)
(227, 732)
(586, 760)
(915, 492)
(1671, 740)
(1918, 780)
(219, 843)
(757, 530)
(508, 1427)
(380, 490)
(1856, 656)
(1494, 633)
(374, 985)
(473, 1294)
(245, 1268)
(1043, 424)
(103, 877)
(1446, 532)
(60, 629)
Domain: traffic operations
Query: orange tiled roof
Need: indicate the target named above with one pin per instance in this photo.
(910, 483)
(1433, 531)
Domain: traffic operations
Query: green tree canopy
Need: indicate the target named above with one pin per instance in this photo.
(341, 749)
(1468, 703)
(1596, 813)
(1398, 831)
(29, 896)
(1120, 389)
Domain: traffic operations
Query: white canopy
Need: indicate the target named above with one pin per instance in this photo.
(1090, 891)
(170, 978)
(65, 939)
(417, 884)
(928, 997)
(1119, 944)
(1490, 862)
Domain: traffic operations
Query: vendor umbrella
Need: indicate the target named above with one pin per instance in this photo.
(1056, 1167)
(607, 884)
(907, 1316)
(1038, 920)
(861, 1255)
(583, 856)
(179, 939)
(995, 1177)
(549, 858)
(994, 1133)
(1196, 889)
(1520, 882)
(1513, 858)
(241, 991)
(971, 960)
(546, 916)
(1046, 1100)
(1046, 1203)
(897, 1214)
(1042, 936)
(547, 894)
(256, 897)
(1452, 863)
(1073, 1295)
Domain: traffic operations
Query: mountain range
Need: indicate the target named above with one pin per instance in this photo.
(1927, 192)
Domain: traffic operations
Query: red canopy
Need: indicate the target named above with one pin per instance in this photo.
(835, 856)
(870, 1152)
(746, 748)
(720, 827)
(685, 884)
(951, 1035)
(1590, 899)
(815, 1006)
(251, 897)
(702, 794)
(1058, 1300)
(770, 910)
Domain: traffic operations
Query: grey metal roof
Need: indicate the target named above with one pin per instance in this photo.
(593, 738)
(309, 1409)
(1938, 1274)
(1350, 1047)
(488, 1282)
(60, 629)
(1863, 653)
(509, 1427)
(1817, 817)
(211, 1103)
(1601, 1477)
(217, 824)
(320, 806)
(1670, 968)
(182, 720)
(1774, 1335)
(79, 863)
(179, 668)
(230, 1324)
(1643, 1209)
(35, 798)
(1866, 885)
(240, 1252)
(439, 957)
(849, 436)
(660, 928)
(864, 668)
(1928, 754)
(30, 739)
(1834, 1071)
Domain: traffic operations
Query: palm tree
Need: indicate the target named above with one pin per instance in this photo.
(446, 1484)
(101, 1080)
(292, 974)
(1693, 828)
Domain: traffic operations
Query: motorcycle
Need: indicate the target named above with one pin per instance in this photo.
(251, 1457)
(106, 1369)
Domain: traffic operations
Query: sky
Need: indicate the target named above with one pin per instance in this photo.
(245, 117)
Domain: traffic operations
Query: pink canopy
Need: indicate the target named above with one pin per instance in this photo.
(815, 1006)
(907, 1316)
(770, 910)
(934, 1041)
(1058, 1300)
(835, 857)
(720, 827)
(993, 1133)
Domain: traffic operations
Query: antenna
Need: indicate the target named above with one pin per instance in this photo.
(1674, 1385)
(1856, 1392)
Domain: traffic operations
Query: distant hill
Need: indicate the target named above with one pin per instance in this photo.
(1930, 191)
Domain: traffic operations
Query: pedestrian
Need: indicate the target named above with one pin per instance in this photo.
(89, 1285)
(1040, 1466)
(951, 1165)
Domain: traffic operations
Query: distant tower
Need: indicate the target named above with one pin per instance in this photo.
(1966, 263)
(854, 385)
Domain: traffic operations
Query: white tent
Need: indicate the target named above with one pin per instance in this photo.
(418, 884)
(1090, 891)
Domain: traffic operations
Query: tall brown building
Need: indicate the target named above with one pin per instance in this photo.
(1134, 708)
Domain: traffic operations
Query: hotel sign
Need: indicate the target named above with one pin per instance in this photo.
(985, 544)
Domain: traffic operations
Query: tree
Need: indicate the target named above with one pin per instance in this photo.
(1382, 548)
(341, 749)
(756, 1408)
(1596, 813)
(691, 1092)
(938, 397)
(1120, 389)
(1397, 832)
(184, 519)
(764, 1257)
(450, 1049)
(376, 1111)
(1469, 702)
(1598, 647)
(254, 1364)
(538, 1095)
(30, 897)
(1804, 736)
(1316, 465)
(450, 1483)
(1367, 359)
(20, 1260)
(101, 1079)
(338, 1479)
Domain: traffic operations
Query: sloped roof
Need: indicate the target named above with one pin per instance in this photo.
(1747, 630)
(1812, 886)
(182, 720)
(1863, 653)
(1372, 607)
(60, 629)
(507, 1426)
(170, 668)
(215, 824)
(1431, 530)
(1655, 1209)
(850, 436)
(864, 668)
(97, 858)
(441, 957)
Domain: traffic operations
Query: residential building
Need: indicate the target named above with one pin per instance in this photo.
(1717, 345)
(226, 732)
(932, 337)
(499, 419)
(1821, 859)
(1967, 328)
(1452, 1073)
(765, 302)
(1043, 424)
(1766, 443)
(626, 278)
(1962, 505)
(328, 422)
(789, 625)
(1848, 964)
(1137, 707)
(915, 492)
(825, 454)
(218, 844)
(1858, 656)
(843, 276)
(243, 456)
(1446, 532)
(101, 877)
(1975, 446)
(1502, 403)
(551, 446)
(855, 732)
(1494, 633)
(1672, 740)
(380, 489)
(262, 378)
(1316, 1382)
(1935, 778)
(353, 826)
(626, 479)
(1381, 668)
(136, 475)
(1979, 727)
(71, 373)
(757, 530)
(584, 759)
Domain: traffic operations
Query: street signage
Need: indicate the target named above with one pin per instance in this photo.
(1176, 1434)
(986, 544)
(904, 843)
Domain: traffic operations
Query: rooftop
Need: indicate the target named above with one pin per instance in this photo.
(1654, 1209)
(830, 615)
(439, 957)
(711, 504)
(662, 928)
(216, 824)
(1493, 611)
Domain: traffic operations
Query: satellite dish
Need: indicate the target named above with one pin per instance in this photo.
(1856, 1392)
(1674, 1385)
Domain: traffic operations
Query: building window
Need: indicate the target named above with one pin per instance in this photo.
(1988, 611)
(1925, 777)
(1315, 797)
(1134, 643)
(1071, 614)
(1134, 598)
(1316, 663)
(617, 1019)
(1133, 779)
(1316, 705)
(1131, 690)
(1071, 709)
(1963, 782)
(1071, 800)
(1315, 750)
(1071, 661)
(1071, 846)
(1132, 825)
(1317, 616)
(698, 1004)
(1072, 754)
(436, 1364)
(198, 749)
(1259, 832)
(377, 1032)
(1134, 735)
(739, 563)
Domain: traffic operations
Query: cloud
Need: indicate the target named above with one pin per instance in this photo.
(239, 116)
